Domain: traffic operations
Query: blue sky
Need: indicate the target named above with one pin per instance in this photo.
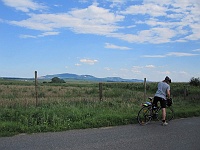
(104, 38)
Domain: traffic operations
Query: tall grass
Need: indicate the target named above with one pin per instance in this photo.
(65, 116)
(76, 105)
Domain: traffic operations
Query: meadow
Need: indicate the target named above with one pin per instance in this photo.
(76, 105)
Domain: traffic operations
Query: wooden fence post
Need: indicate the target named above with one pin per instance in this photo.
(36, 88)
(145, 87)
(100, 91)
(185, 92)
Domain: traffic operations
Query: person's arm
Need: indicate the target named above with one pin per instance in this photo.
(168, 93)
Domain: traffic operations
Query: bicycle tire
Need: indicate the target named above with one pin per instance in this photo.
(169, 114)
(144, 115)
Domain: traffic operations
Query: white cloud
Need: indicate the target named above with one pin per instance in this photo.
(24, 36)
(49, 33)
(137, 67)
(83, 1)
(153, 35)
(97, 15)
(24, 5)
(154, 56)
(91, 20)
(112, 46)
(164, 22)
(41, 35)
(107, 69)
(183, 73)
(178, 54)
(150, 9)
(181, 19)
(89, 61)
(117, 3)
(196, 50)
(150, 66)
(136, 71)
(164, 72)
(77, 64)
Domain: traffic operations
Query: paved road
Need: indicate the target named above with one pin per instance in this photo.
(180, 134)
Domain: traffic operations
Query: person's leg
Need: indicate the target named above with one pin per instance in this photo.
(163, 106)
(155, 101)
(164, 114)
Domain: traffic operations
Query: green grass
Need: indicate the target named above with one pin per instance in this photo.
(66, 116)
(77, 106)
(76, 115)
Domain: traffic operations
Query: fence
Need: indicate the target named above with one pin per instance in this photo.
(35, 92)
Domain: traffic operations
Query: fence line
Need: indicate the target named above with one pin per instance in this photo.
(100, 91)
(36, 89)
(36, 93)
(145, 88)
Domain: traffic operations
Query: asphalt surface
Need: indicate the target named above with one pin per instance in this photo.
(180, 134)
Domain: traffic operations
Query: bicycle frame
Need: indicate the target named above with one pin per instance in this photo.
(148, 113)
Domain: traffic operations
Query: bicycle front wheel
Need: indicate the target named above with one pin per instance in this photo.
(144, 115)
(169, 114)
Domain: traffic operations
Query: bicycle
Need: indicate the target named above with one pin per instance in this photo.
(148, 113)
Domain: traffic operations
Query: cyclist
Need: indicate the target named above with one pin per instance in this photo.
(161, 95)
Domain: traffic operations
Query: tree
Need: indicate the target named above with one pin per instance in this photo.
(195, 81)
(57, 80)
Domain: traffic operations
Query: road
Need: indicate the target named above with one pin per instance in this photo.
(180, 134)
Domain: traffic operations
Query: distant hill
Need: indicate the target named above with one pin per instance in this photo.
(67, 76)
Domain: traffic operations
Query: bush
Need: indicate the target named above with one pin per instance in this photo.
(195, 81)
(57, 80)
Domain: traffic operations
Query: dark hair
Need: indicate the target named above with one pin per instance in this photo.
(167, 79)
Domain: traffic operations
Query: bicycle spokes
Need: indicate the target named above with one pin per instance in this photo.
(144, 116)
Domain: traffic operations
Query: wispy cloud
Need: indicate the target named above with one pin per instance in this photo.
(117, 3)
(91, 20)
(149, 8)
(175, 54)
(24, 36)
(164, 72)
(89, 61)
(41, 35)
(77, 64)
(170, 16)
(24, 5)
(154, 56)
(112, 46)
(150, 66)
(140, 69)
(166, 21)
(178, 54)
(107, 69)
(196, 50)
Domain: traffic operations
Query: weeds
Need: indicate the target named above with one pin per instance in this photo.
(77, 106)
(65, 116)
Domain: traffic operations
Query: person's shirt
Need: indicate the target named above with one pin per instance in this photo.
(162, 90)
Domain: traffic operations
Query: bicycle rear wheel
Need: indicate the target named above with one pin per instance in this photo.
(144, 115)
(169, 114)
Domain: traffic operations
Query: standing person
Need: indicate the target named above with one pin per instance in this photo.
(162, 94)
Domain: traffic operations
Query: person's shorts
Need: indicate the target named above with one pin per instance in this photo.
(161, 100)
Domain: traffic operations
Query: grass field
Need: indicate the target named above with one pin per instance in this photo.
(76, 105)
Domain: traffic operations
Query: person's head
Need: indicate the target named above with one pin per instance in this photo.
(167, 80)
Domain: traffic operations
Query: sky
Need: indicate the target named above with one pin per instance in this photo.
(131, 39)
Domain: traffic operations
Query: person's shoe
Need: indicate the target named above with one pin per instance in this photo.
(164, 123)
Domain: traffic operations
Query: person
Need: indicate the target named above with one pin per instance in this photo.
(161, 95)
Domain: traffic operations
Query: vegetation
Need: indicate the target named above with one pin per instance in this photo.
(57, 80)
(195, 81)
(76, 105)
